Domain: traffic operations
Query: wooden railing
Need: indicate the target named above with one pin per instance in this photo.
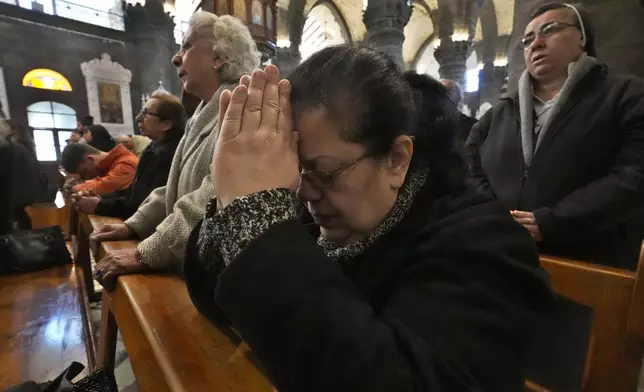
(170, 345)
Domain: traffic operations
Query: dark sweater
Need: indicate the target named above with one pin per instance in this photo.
(444, 302)
(585, 185)
(151, 173)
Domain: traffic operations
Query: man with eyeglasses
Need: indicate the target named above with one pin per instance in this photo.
(566, 152)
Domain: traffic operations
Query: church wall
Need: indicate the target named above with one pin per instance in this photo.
(34, 40)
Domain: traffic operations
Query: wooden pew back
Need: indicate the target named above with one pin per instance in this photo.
(171, 346)
(616, 296)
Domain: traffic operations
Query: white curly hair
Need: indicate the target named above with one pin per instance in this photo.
(231, 41)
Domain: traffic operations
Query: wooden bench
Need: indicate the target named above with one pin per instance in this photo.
(170, 345)
(616, 297)
(44, 325)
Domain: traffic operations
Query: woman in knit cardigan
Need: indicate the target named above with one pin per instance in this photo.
(216, 51)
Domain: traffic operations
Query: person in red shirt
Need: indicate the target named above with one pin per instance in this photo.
(102, 172)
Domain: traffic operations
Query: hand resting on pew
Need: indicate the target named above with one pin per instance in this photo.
(124, 261)
(121, 262)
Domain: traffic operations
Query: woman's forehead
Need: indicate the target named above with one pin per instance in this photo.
(320, 136)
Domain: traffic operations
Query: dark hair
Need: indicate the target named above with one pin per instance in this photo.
(587, 29)
(169, 108)
(101, 138)
(365, 91)
(87, 121)
(74, 153)
(18, 134)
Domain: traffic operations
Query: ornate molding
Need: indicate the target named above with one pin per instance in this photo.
(104, 70)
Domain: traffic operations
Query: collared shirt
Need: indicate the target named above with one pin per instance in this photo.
(116, 172)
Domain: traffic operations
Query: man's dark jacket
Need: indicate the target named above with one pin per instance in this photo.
(152, 173)
(585, 185)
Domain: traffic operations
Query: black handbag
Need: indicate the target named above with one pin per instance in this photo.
(33, 250)
(99, 381)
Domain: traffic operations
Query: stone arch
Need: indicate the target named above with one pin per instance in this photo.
(339, 17)
(426, 50)
(323, 26)
(420, 27)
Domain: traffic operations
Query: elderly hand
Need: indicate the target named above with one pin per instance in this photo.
(125, 261)
(116, 231)
(256, 148)
(528, 221)
(86, 204)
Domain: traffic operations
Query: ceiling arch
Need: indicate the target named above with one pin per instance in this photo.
(324, 26)
(419, 28)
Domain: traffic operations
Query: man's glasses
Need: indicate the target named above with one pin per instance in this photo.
(145, 112)
(546, 30)
(321, 179)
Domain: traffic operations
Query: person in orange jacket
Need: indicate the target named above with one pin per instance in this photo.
(102, 172)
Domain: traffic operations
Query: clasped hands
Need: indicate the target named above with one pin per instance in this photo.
(85, 201)
(256, 147)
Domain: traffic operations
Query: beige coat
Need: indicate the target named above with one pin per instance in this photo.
(166, 218)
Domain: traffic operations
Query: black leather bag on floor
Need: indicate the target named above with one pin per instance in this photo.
(98, 381)
(33, 250)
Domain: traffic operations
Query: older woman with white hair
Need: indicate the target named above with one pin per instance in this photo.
(216, 51)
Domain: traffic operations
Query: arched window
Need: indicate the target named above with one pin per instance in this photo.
(52, 124)
(323, 27)
(46, 79)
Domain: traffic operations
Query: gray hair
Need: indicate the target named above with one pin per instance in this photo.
(231, 41)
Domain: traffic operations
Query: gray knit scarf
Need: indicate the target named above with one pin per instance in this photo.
(576, 71)
(342, 255)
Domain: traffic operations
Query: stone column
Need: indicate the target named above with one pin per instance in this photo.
(491, 79)
(452, 55)
(153, 45)
(385, 21)
(287, 59)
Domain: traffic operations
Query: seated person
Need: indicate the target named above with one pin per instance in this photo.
(135, 143)
(98, 137)
(100, 172)
(163, 120)
(566, 152)
(166, 218)
(7, 175)
(415, 282)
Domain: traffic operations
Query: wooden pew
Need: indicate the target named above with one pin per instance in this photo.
(45, 326)
(616, 296)
(170, 345)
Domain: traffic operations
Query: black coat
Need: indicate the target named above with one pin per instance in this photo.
(465, 124)
(586, 181)
(7, 188)
(442, 303)
(151, 173)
